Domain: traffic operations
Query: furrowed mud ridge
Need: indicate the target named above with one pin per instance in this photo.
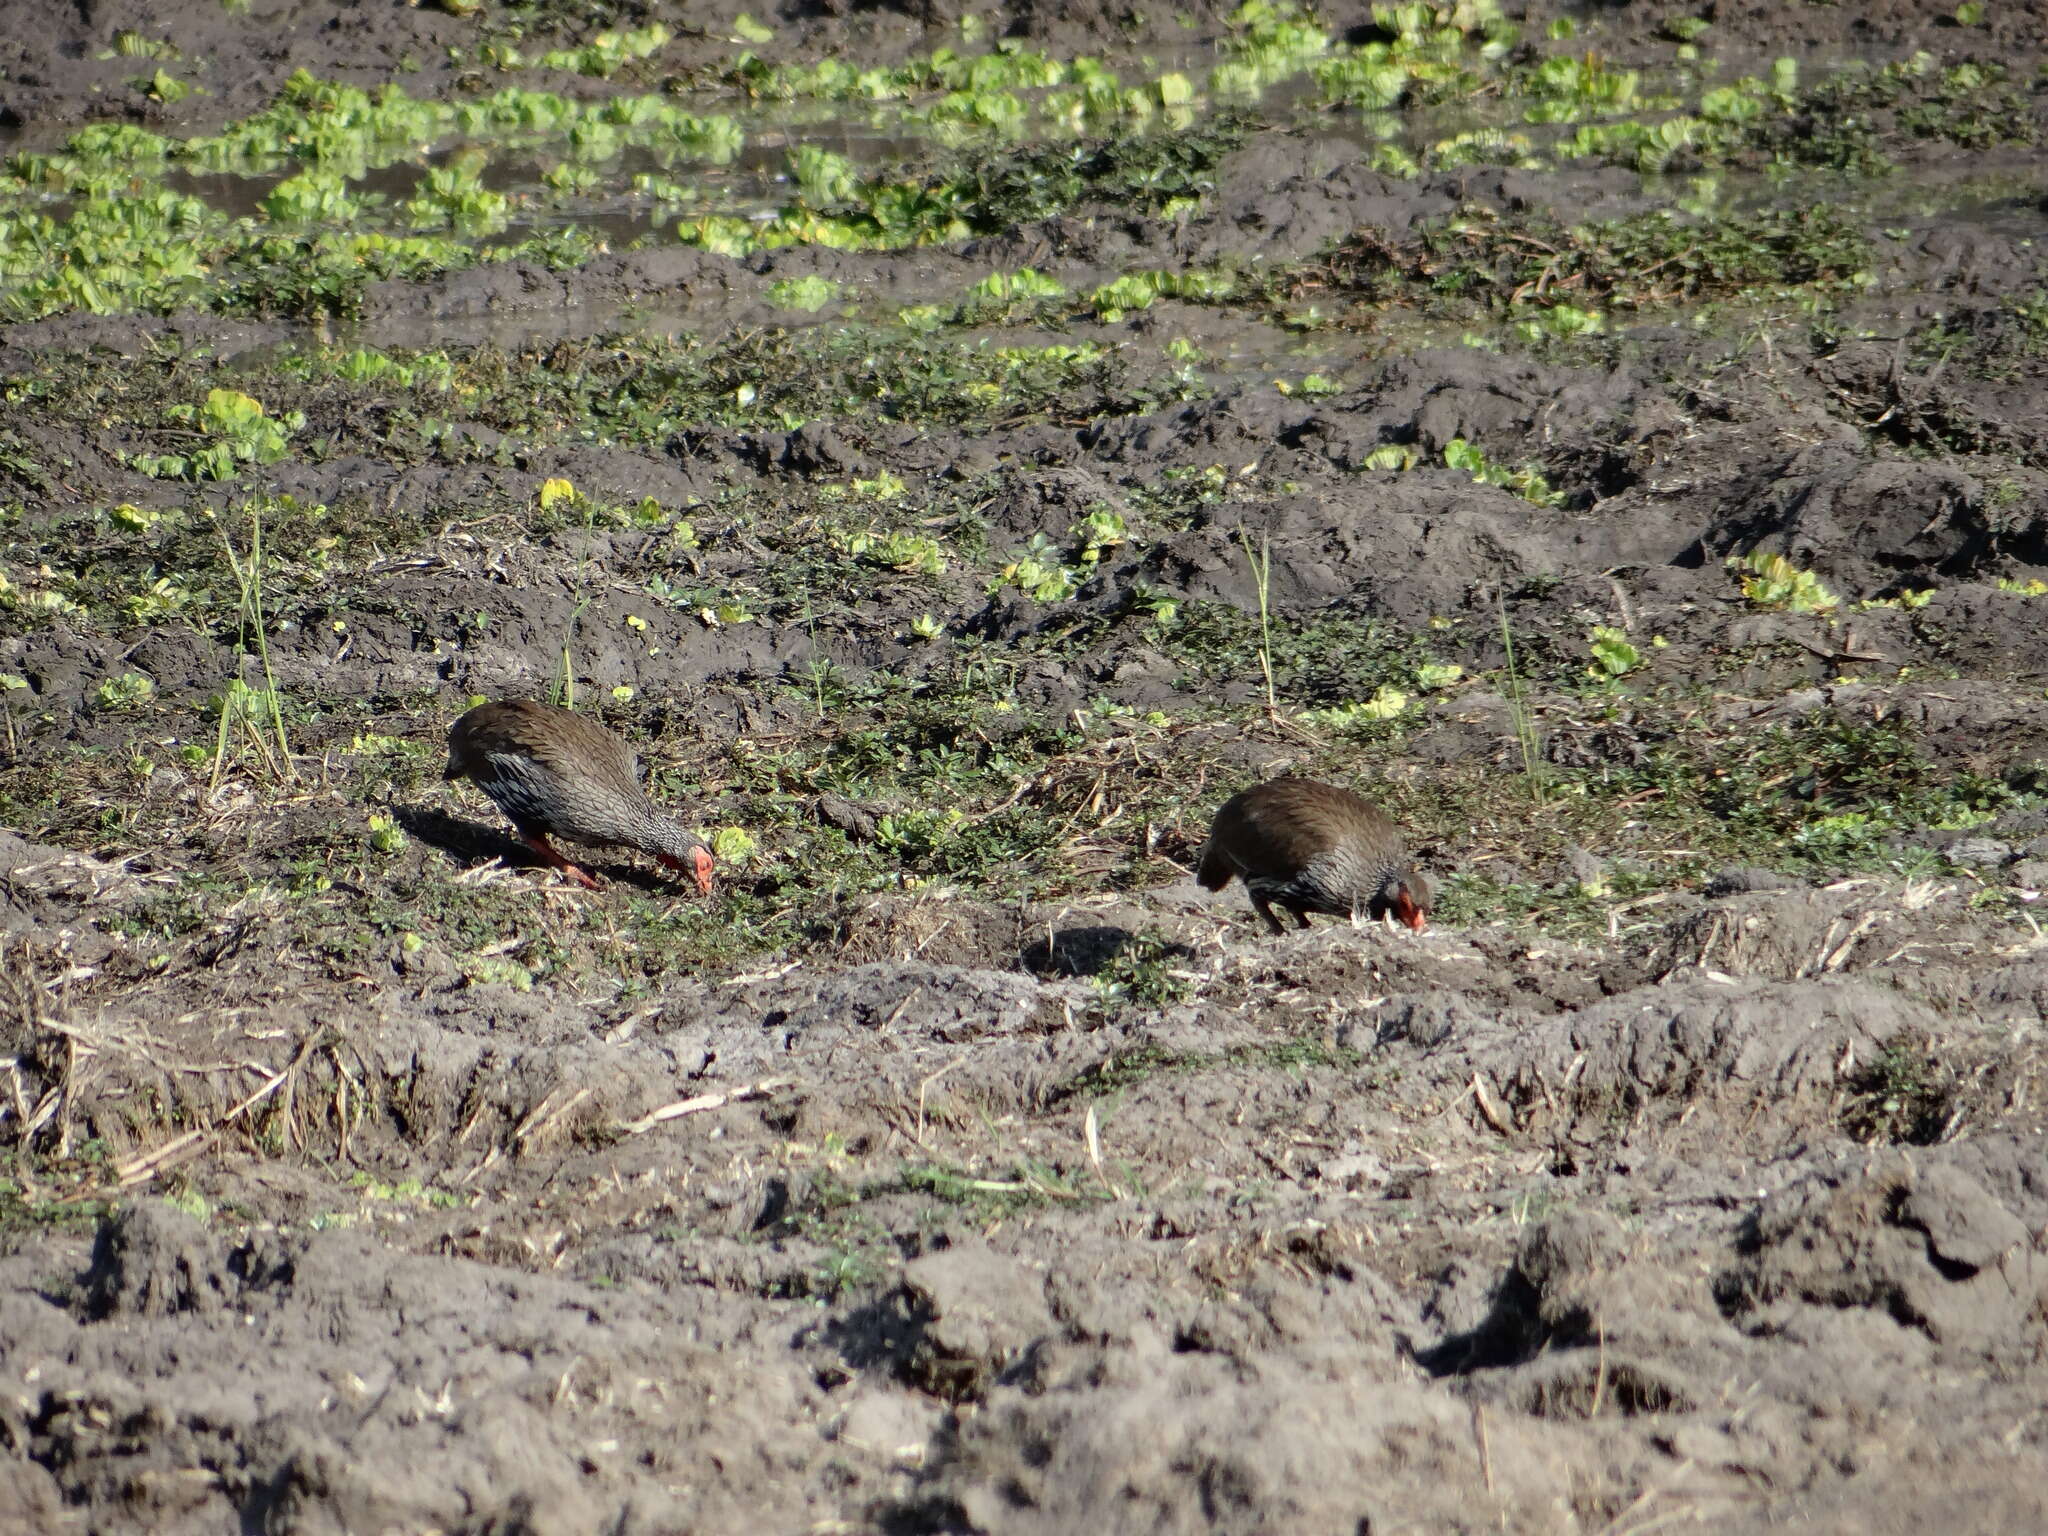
(958, 449)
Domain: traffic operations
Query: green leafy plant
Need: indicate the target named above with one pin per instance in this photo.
(1142, 973)
(609, 52)
(1560, 322)
(1099, 531)
(386, 835)
(121, 692)
(1140, 290)
(909, 552)
(885, 486)
(1526, 483)
(1613, 654)
(316, 196)
(242, 433)
(1049, 573)
(1772, 581)
(1000, 295)
(809, 293)
(162, 86)
(1041, 570)
(130, 44)
(454, 194)
(1387, 703)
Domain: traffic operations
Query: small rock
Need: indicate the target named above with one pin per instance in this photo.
(1978, 853)
(889, 1423)
(1356, 1172)
(152, 1260)
(1589, 872)
(1742, 878)
(982, 1310)
(2030, 874)
(2022, 824)
(817, 448)
(849, 816)
(1963, 1223)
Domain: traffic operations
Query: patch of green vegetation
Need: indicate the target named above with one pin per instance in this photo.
(51, 1193)
(1386, 703)
(1529, 484)
(1119, 1073)
(1147, 971)
(646, 391)
(132, 240)
(241, 433)
(1480, 263)
(810, 293)
(1908, 1095)
(1140, 290)
(127, 564)
(1614, 654)
(608, 52)
(407, 1191)
(1772, 581)
(123, 692)
(839, 208)
(1567, 909)
(1827, 793)
(1050, 571)
(1329, 659)
(1844, 122)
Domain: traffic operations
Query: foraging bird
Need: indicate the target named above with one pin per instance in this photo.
(556, 773)
(1313, 848)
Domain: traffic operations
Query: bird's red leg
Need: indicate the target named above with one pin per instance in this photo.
(539, 843)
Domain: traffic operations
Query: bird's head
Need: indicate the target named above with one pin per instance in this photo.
(1409, 897)
(684, 854)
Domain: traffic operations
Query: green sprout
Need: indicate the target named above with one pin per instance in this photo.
(1772, 581)
(1613, 654)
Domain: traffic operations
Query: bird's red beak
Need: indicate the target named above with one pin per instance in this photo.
(1409, 913)
(699, 867)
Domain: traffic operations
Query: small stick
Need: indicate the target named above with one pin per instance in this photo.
(704, 1101)
(1485, 1452)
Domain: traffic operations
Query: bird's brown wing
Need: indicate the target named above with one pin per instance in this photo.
(571, 746)
(1294, 819)
(576, 745)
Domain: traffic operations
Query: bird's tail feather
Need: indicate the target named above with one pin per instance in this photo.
(1212, 869)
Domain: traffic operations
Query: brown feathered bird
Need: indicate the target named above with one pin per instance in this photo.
(558, 774)
(1312, 847)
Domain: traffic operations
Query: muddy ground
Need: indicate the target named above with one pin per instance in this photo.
(962, 1166)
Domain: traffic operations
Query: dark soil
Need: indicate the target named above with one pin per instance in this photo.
(962, 1166)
